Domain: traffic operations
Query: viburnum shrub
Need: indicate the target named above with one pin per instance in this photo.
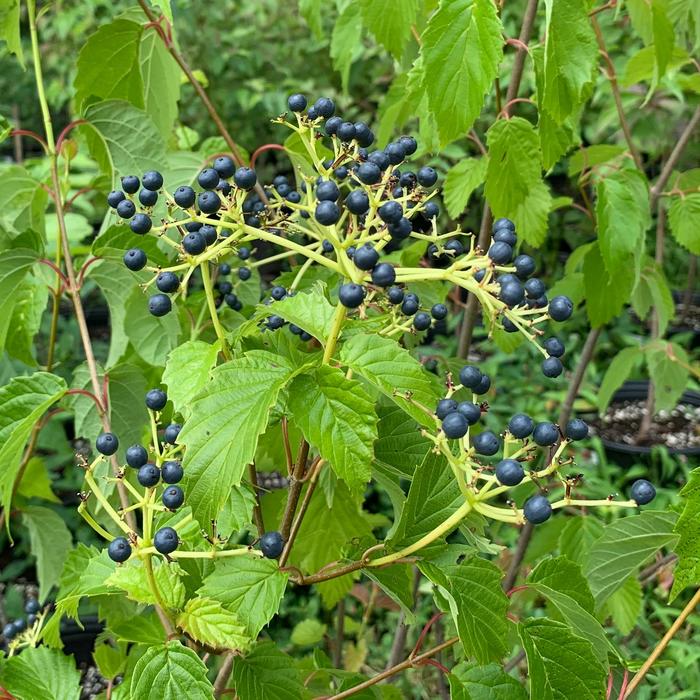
(262, 434)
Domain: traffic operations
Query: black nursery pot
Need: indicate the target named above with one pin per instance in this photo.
(80, 643)
(684, 327)
(627, 455)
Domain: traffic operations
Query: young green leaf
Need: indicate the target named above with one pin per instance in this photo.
(50, 541)
(560, 663)
(462, 47)
(222, 432)
(619, 369)
(470, 682)
(40, 672)
(623, 547)
(22, 402)
(251, 588)
(390, 21)
(461, 181)
(393, 371)
(684, 211)
(571, 55)
(309, 310)
(687, 572)
(336, 416)
(132, 578)
(668, 368)
(477, 603)
(171, 668)
(267, 673)
(208, 622)
(514, 185)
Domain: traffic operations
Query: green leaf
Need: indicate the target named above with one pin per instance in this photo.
(143, 629)
(308, 633)
(9, 28)
(462, 47)
(250, 587)
(24, 201)
(207, 621)
(31, 297)
(684, 211)
(619, 369)
(561, 582)
(687, 572)
(187, 370)
(399, 445)
(161, 82)
(565, 576)
(311, 311)
(227, 417)
(391, 370)
(514, 185)
(50, 543)
(40, 672)
(623, 547)
(586, 158)
(108, 65)
(110, 660)
(15, 265)
(122, 138)
(344, 41)
(560, 663)
(36, 482)
(642, 66)
(477, 603)
(625, 605)
(22, 402)
(267, 673)
(652, 291)
(433, 497)
(622, 212)
(310, 10)
(397, 582)
(571, 55)
(468, 682)
(390, 21)
(132, 578)
(606, 294)
(237, 512)
(461, 181)
(152, 337)
(172, 669)
(338, 418)
(577, 536)
(668, 369)
(325, 534)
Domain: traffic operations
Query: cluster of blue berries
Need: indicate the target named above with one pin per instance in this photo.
(170, 473)
(14, 628)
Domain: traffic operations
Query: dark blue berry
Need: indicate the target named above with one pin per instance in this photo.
(486, 443)
(224, 269)
(160, 305)
(244, 273)
(130, 184)
(395, 295)
(173, 497)
(278, 293)
(554, 347)
(470, 376)
(534, 288)
(327, 213)
(271, 545)
(325, 107)
(503, 223)
(114, 197)
(409, 145)
(576, 429)
(445, 406)
(141, 224)
(135, 259)
(357, 202)
(208, 179)
(483, 386)
(208, 202)
(380, 159)
(561, 308)
(363, 135)
(166, 540)
(297, 102)
(274, 322)
(455, 425)
(243, 253)
(471, 411)
(505, 236)
(402, 229)
(426, 177)
(327, 190)
(171, 472)
(438, 312)
(524, 266)
(410, 305)
(331, 127)
(148, 475)
(171, 433)
(245, 178)
(126, 209)
(119, 549)
(500, 252)
(552, 367)
(351, 295)
(107, 443)
(136, 456)
(156, 399)
(642, 492)
(390, 212)
(422, 321)
(224, 166)
(148, 198)
(509, 472)
(346, 132)
(537, 510)
(184, 196)
(521, 425)
(369, 173)
(545, 434)
(366, 257)
(167, 282)
(512, 293)
(32, 607)
(383, 275)
(194, 243)
(395, 152)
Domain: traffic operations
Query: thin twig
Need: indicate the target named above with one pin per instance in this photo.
(223, 675)
(339, 634)
(257, 510)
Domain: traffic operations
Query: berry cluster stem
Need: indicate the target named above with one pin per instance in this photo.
(206, 279)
